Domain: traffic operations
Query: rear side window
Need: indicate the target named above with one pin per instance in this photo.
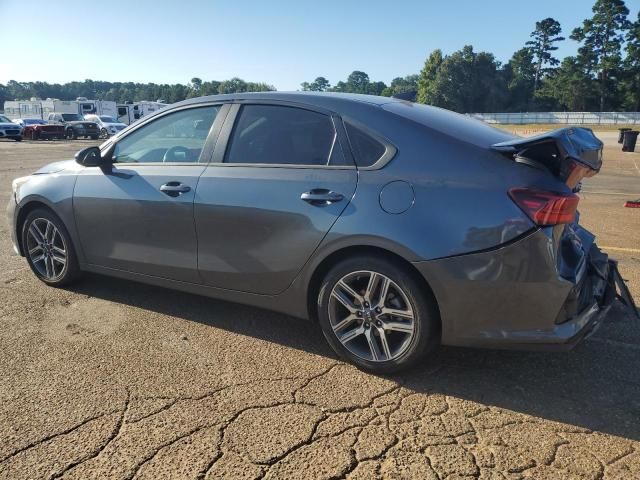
(366, 149)
(270, 134)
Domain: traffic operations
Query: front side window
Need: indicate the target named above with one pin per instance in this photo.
(269, 134)
(176, 137)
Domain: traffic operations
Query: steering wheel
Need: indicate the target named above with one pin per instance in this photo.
(170, 154)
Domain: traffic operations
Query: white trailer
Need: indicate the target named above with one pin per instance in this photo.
(131, 112)
(36, 108)
(15, 109)
(80, 105)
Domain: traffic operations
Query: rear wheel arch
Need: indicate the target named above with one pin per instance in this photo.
(321, 270)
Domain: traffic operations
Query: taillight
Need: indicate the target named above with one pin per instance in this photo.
(544, 207)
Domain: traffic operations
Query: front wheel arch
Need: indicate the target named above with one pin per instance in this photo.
(22, 216)
(336, 257)
(58, 242)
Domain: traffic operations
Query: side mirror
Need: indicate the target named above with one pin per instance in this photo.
(90, 157)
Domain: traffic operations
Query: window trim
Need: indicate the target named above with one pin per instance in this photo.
(230, 123)
(390, 150)
(208, 146)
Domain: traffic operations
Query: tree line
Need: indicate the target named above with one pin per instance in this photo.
(122, 92)
(603, 75)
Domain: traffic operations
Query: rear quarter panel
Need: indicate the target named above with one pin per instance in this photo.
(461, 200)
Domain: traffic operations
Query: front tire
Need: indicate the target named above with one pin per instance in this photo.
(17, 139)
(376, 314)
(49, 250)
(104, 133)
(71, 134)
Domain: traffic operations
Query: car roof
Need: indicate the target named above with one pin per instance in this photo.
(320, 99)
(452, 124)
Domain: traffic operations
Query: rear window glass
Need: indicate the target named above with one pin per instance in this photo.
(470, 129)
(366, 149)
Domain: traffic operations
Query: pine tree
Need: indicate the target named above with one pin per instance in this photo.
(602, 36)
(547, 33)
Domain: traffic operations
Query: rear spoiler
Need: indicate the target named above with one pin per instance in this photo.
(558, 149)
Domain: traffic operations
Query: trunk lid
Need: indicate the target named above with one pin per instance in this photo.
(570, 154)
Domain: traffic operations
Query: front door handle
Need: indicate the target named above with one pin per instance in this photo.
(321, 196)
(174, 189)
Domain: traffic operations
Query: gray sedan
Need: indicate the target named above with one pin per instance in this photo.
(397, 226)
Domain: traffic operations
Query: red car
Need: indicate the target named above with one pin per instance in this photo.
(35, 129)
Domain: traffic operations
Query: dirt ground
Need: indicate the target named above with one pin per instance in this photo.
(113, 379)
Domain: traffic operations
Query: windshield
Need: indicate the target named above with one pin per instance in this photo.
(4, 119)
(108, 119)
(71, 117)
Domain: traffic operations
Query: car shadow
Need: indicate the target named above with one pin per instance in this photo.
(595, 386)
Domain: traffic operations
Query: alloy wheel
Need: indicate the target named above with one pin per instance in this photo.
(371, 316)
(46, 249)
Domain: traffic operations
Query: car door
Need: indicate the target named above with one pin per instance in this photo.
(137, 215)
(279, 180)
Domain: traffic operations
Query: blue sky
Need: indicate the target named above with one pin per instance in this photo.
(280, 42)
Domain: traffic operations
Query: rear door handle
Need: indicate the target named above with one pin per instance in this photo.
(174, 189)
(321, 196)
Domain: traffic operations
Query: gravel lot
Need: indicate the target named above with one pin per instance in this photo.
(113, 379)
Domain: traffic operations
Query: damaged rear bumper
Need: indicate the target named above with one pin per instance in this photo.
(520, 296)
(602, 281)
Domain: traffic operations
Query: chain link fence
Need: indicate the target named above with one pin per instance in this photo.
(561, 118)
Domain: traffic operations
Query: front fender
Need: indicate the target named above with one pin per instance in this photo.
(54, 191)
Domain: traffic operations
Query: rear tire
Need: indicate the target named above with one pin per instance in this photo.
(383, 325)
(49, 250)
(71, 134)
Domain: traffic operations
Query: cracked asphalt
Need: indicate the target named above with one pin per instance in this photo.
(113, 379)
